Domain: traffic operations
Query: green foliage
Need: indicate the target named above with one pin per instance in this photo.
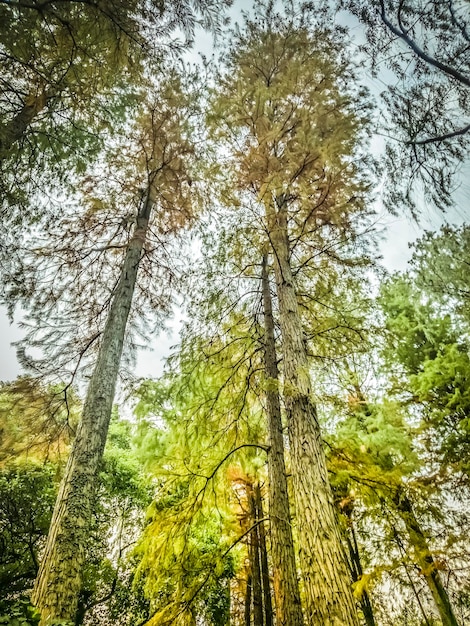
(415, 322)
(188, 575)
(18, 613)
(28, 488)
(217, 600)
(374, 447)
(399, 455)
(440, 269)
(27, 494)
(194, 426)
(426, 315)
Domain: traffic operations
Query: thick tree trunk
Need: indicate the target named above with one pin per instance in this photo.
(58, 582)
(328, 595)
(286, 586)
(267, 602)
(15, 129)
(425, 560)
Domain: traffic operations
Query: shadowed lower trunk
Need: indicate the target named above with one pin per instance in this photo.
(329, 599)
(248, 599)
(286, 587)
(257, 585)
(425, 559)
(267, 602)
(58, 582)
(357, 573)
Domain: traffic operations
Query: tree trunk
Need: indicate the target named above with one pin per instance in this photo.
(248, 597)
(425, 559)
(257, 588)
(58, 582)
(15, 129)
(357, 572)
(328, 595)
(268, 607)
(286, 586)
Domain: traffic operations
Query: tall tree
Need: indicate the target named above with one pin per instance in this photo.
(72, 75)
(166, 150)
(291, 158)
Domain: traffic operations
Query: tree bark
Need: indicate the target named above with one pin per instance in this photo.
(328, 594)
(267, 602)
(257, 588)
(58, 582)
(425, 559)
(357, 572)
(15, 129)
(248, 597)
(286, 586)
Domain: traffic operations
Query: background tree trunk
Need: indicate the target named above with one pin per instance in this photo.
(257, 586)
(286, 586)
(357, 572)
(58, 582)
(425, 559)
(267, 602)
(248, 596)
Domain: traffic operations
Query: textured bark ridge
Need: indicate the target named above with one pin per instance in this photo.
(58, 582)
(286, 587)
(425, 560)
(329, 599)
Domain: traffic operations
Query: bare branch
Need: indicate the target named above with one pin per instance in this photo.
(402, 34)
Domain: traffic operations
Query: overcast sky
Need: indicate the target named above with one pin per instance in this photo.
(399, 231)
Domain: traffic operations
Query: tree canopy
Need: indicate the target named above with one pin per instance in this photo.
(304, 458)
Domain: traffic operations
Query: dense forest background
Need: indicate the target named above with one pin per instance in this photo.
(305, 456)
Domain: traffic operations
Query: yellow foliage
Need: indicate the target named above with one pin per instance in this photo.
(361, 585)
